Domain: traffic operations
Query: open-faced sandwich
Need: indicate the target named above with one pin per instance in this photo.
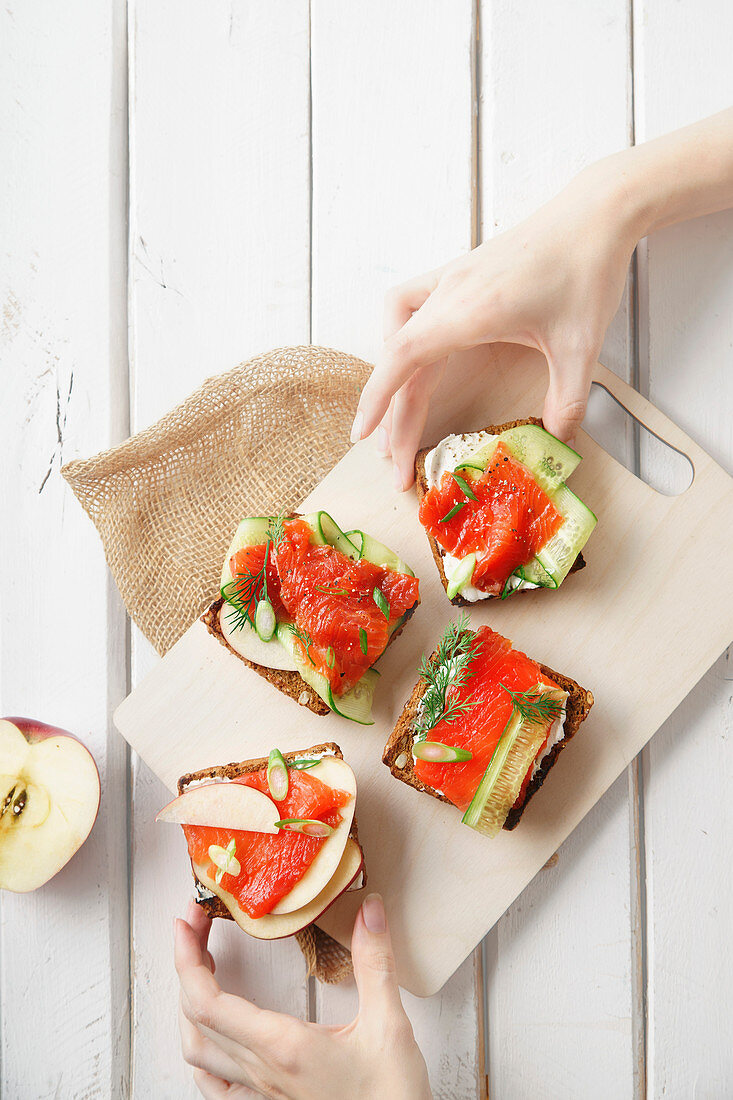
(483, 726)
(272, 842)
(498, 514)
(311, 608)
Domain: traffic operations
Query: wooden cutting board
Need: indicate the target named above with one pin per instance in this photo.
(639, 627)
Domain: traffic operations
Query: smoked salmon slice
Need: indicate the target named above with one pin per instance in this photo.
(508, 522)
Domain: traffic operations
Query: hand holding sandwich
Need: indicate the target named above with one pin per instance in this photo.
(553, 283)
(239, 1050)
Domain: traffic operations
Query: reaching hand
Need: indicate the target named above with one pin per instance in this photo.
(552, 283)
(241, 1051)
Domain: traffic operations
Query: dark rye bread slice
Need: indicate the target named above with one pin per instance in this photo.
(421, 484)
(400, 743)
(215, 907)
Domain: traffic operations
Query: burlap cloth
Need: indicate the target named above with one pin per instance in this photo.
(166, 502)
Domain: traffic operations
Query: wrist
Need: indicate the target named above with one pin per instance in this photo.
(617, 191)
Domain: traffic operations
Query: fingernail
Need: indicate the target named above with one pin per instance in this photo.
(382, 442)
(397, 478)
(373, 913)
(357, 427)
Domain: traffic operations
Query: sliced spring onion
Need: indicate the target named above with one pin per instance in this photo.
(438, 753)
(463, 484)
(265, 620)
(277, 775)
(330, 656)
(304, 765)
(462, 575)
(381, 601)
(225, 859)
(363, 640)
(453, 511)
(305, 825)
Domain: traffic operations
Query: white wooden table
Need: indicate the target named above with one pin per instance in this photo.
(287, 163)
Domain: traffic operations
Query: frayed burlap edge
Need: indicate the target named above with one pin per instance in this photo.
(253, 441)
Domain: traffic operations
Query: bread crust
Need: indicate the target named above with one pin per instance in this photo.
(422, 487)
(215, 907)
(400, 742)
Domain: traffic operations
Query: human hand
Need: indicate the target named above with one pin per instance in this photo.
(553, 283)
(241, 1051)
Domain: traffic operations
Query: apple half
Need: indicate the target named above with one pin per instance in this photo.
(49, 799)
(337, 774)
(223, 805)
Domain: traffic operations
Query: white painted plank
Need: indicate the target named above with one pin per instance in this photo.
(392, 197)
(64, 971)
(687, 334)
(219, 271)
(219, 164)
(559, 964)
(392, 165)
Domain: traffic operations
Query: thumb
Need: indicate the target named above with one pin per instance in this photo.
(567, 395)
(374, 965)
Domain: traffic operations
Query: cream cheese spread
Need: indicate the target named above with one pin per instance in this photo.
(444, 457)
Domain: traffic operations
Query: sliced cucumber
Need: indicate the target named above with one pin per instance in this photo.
(550, 461)
(462, 575)
(502, 781)
(355, 704)
(251, 532)
(534, 573)
(559, 552)
(377, 553)
(328, 533)
(265, 621)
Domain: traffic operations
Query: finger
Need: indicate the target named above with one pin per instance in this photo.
(201, 1053)
(212, 1087)
(384, 433)
(425, 338)
(401, 301)
(204, 1002)
(567, 395)
(374, 965)
(200, 921)
(411, 405)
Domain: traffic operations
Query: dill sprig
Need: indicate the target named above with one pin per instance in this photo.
(251, 587)
(305, 639)
(535, 707)
(447, 671)
(276, 530)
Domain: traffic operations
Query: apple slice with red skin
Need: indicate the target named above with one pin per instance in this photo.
(223, 806)
(276, 926)
(337, 774)
(49, 799)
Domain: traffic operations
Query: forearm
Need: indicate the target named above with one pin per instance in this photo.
(681, 175)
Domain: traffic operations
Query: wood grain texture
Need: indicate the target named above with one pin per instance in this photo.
(219, 243)
(631, 613)
(687, 332)
(392, 196)
(555, 96)
(64, 971)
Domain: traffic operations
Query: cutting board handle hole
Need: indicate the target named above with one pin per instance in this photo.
(657, 463)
